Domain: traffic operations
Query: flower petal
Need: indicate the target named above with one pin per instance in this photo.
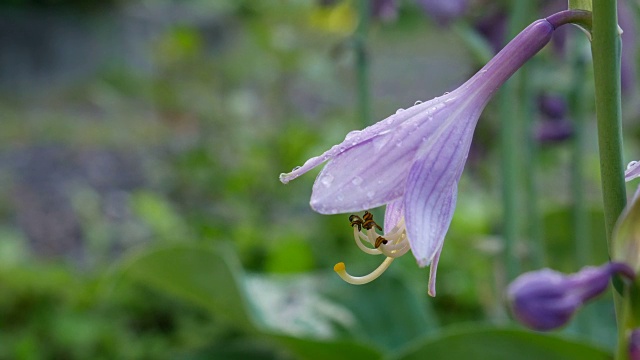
(393, 213)
(356, 137)
(633, 171)
(374, 172)
(433, 269)
(431, 189)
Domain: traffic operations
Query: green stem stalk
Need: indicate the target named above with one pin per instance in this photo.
(510, 139)
(578, 111)
(606, 67)
(605, 50)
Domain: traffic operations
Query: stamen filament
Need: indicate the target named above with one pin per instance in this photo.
(368, 250)
(341, 269)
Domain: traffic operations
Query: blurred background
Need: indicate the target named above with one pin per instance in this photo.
(141, 214)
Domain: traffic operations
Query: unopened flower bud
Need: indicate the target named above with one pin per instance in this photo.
(634, 345)
(547, 299)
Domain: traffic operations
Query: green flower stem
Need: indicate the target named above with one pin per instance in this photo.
(362, 62)
(534, 222)
(579, 113)
(605, 49)
(510, 139)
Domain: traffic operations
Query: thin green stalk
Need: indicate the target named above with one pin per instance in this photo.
(605, 49)
(362, 62)
(510, 140)
(578, 111)
(534, 223)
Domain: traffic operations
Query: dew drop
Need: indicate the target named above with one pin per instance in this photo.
(295, 168)
(356, 181)
(445, 93)
(352, 134)
(417, 103)
(631, 164)
(340, 197)
(326, 180)
(399, 110)
(399, 143)
(370, 194)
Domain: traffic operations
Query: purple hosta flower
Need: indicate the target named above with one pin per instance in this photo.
(547, 299)
(412, 161)
(634, 345)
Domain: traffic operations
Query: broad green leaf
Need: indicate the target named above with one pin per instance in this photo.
(580, 5)
(308, 349)
(324, 307)
(387, 312)
(501, 344)
(197, 274)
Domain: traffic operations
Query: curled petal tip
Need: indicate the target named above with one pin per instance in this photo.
(632, 171)
(423, 262)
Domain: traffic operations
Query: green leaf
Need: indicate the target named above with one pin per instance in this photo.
(309, 349)
(315, 316)
(388, 312)
(197, 274)
(501, 344)
(580, 5)
(324, 307)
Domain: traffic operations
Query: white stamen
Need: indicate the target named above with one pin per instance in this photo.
(357, 235)
(395, 246)
(361, 280)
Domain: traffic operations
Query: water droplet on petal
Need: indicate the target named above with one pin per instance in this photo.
(295, 168)
(340, 197)
(326, 180)
(631, 164)
(356, 181)
(370, 194)
(399, 110)
(399, 143)
(446, 93)
(352, 134)
(417, 103)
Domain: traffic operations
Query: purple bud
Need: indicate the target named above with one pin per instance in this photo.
(634, 345)
(547, 299)
(553, 131)
(553, 107)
